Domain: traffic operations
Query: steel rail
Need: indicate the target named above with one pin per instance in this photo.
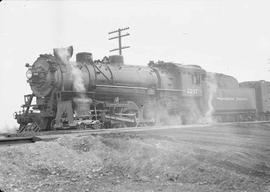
(18, 140)
(51, 135)
(138, 129)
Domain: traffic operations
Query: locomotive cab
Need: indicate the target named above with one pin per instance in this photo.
(180, 91)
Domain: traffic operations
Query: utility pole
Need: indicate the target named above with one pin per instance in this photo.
(119, 37)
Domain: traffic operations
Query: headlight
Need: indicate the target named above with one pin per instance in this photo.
(29, 74)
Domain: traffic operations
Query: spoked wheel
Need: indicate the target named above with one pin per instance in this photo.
(52, 124)
(97, 126)
(119, 125)
(82, 126)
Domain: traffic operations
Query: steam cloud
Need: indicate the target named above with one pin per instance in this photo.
(212, 89)
(82, 101)
(195, 113)
(8, 129)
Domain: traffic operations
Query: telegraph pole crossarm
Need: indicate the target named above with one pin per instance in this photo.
(119, 37)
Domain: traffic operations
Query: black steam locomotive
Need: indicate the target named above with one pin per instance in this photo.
(87, 93)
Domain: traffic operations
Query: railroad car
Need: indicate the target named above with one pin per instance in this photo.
(229, 102)
(234, 105)
(262, 97)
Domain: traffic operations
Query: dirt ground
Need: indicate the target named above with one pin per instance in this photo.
(192, 160)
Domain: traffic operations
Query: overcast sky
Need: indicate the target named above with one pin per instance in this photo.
(231, 37)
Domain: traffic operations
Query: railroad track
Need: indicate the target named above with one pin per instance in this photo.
(18, 140)
(10, 139)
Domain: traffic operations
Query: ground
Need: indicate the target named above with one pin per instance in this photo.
(215, 158)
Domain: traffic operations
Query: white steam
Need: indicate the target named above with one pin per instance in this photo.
(77, 76)
(190, 110)
(8, 129)
(64, 54)
(82, 101)
(211, 85)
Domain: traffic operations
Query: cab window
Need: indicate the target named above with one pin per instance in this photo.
(196, 79)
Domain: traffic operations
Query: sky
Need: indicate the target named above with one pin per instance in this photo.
(226, 36)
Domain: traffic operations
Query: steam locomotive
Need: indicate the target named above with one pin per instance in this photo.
(108, 93)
